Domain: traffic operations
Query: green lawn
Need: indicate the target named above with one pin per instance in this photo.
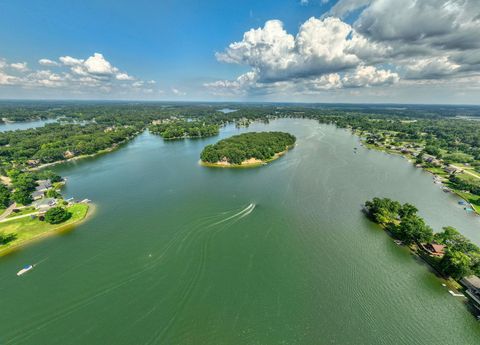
(27, 228)
(471, 198)
(22, 211)
(437, 171)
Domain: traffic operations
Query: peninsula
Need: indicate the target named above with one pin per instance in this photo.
(247, 150)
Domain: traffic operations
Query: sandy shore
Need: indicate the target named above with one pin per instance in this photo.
(248, 163)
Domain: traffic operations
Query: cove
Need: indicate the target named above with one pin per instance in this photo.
(177, 253)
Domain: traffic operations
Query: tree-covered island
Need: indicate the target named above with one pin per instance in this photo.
(248, 149)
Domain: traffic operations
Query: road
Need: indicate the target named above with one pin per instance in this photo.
(466, 171)
(17, 217)
(7, 212)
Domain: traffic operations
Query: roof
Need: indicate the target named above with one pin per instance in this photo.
(44, 202)
(37, 193)
(472, 281)
(438, 247)
(43, 185)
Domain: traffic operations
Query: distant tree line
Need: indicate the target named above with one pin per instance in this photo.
(178, 129)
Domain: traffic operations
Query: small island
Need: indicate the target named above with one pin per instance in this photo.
(247, 150)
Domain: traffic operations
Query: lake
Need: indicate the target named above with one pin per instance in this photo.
(12, 126)
(177, 253)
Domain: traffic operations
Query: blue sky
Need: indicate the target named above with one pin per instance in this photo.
(180, 50)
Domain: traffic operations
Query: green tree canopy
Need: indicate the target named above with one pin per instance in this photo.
(57, 215)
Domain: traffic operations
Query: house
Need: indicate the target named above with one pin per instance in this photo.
(431, 159)
(452, 170)
(68, 154)
(33, 162)
(44, 204)
(472, 284)
(37, 195)
(434, 249)
(43, 185)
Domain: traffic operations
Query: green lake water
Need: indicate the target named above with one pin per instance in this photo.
(177, 253)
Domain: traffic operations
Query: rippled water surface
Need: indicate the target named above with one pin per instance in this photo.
(181, 254)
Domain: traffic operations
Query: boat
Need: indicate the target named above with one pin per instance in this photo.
(24, 270)
(398, 242)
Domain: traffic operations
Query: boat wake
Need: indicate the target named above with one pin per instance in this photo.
(196, 238)
(243, 213)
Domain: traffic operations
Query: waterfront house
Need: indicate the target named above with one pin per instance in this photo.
(68, 154)
(432, 160)
(451, 170)
(33, 162)
(405, 150)
(37, 195)
(472, 284)
(44, 204)
(43, 185)
(434, 249)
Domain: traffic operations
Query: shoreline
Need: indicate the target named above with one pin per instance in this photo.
(439, 178)
(418, 253)
(250, 163)
(56, 230)
(104, 151)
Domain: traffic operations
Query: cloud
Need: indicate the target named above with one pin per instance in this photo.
(72, 74)
(431, 68)
(321, 46)
(390, 40)
(96, 66)
(177, 92)
(6, 79)
(249, 84)
(19, 66)
(70, 61)
(368, 76)
(48, 62)
(438, 23)
(123, 76)
(322, 55)
(345, 7)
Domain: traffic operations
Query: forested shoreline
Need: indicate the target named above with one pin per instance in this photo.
(450, 253)
(181, 129)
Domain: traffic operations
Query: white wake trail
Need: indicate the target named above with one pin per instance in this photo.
(248, 212)
(246, 209)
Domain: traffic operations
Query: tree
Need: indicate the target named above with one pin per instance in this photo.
(407, 210)
(57, 215)
(382, 211)
(5, 238)
(455, 240)
(413, 229)
(52, 193)
(22, 196)
(456, 264)
(5, 195)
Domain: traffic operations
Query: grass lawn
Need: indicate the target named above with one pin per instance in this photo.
(471, 198)
(27, 228)
(438, 171)
(22, 211)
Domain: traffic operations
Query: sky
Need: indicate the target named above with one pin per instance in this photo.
(355, 51)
